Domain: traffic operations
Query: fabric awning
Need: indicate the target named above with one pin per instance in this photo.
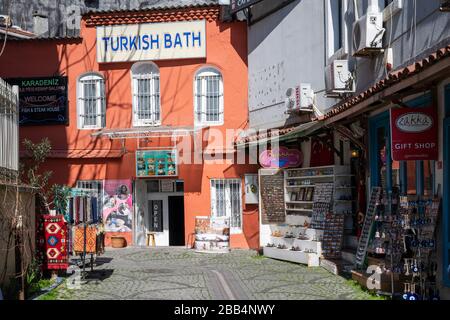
(250, 137)
(146, 132)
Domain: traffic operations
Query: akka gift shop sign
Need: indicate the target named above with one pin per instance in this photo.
(151, 41)
(414, 134)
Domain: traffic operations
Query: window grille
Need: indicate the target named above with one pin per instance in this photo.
(226, 201)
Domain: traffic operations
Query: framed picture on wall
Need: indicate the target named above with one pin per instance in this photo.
(302, 195)
(309, 194)
(294, 196)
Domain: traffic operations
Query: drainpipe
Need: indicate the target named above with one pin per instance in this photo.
(372, 7)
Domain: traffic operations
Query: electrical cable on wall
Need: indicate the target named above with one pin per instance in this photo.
(6, 32)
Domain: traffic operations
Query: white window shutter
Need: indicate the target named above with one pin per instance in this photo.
(213, 198)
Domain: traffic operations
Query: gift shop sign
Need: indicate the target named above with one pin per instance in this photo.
(281, 158)
(414, 134)
(151, 41)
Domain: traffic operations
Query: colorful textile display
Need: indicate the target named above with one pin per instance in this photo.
(52, 243)
(83, 209)
(91, 239)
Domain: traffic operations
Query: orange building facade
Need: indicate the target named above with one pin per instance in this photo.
(121, 108)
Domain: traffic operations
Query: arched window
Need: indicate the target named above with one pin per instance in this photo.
(208, 97)
(146, 95)
(91, 101)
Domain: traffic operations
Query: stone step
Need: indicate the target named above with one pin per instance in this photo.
(336, 266)
(349, 255)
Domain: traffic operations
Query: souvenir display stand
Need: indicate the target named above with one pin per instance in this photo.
(403, 246)
(317, 200)
(87, 232)
(212, 235)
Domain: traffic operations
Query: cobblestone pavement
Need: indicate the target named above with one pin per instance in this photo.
(177, 273)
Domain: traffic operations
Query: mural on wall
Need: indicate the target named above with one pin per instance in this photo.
(118, 206)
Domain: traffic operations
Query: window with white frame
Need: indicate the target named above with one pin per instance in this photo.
(226, 201)
(146, 94)
(91, 101)
(93, 185)
(336, 29)
(208, 97)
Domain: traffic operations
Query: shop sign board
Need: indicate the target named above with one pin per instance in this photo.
(281, 158)
(414, 134)
(151, 41)
(42, 100)
(238, 5)
(156, 163)
(156, 215)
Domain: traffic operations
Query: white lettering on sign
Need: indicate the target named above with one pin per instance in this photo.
(414, 122)
(151, 41)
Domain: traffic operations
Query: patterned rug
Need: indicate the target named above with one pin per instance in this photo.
(91, 239)
(52, 243)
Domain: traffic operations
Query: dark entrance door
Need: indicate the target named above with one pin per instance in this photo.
(176, 221)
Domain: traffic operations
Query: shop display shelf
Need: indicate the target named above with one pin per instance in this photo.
(300, 202)
(302, 186)
(310, 259)
(311, 177)
(300, 210)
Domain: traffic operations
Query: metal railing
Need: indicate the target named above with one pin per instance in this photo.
(9, 131)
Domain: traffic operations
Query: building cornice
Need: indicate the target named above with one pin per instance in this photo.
(209, 13)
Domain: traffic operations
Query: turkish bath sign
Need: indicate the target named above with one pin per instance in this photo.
(414, 134)
(151, 41)
(281, 158)
(42, 100)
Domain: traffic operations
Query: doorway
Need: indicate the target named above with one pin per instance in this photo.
(446, 206)
(176, 221)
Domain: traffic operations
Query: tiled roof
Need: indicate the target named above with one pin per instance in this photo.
(158, 5)
(59, 13)
(187, 13)
(393, 78)
(17, 33)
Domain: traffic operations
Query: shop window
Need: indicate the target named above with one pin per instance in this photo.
(91, 101)
(208, 97)
(146, 94)
(226, 201)
(411, 177)
(179, 186)
(93, 185)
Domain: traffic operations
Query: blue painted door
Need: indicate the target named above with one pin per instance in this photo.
(380, 151)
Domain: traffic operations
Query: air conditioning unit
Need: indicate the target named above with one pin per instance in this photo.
(338, 78)
(368, 34)
(299, 98)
